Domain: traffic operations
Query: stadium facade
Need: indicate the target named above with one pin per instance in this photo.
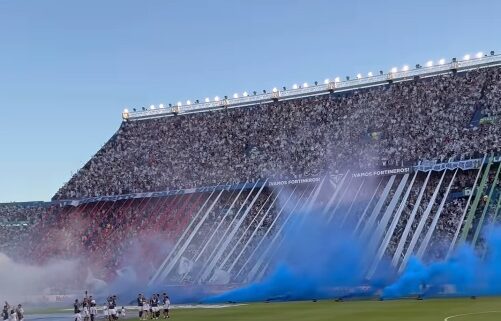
(186, 198)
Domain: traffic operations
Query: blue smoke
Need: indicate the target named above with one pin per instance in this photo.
(317, 261)
(320, 261)
(464, 274)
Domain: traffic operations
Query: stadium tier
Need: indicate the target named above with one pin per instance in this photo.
(411, 167)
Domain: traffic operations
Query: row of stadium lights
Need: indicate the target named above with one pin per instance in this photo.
(393, 70)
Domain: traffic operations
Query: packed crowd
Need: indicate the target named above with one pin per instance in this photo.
(391, 125)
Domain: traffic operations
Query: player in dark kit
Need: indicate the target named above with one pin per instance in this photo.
(76, 310)
(140, 305)
(5, 311)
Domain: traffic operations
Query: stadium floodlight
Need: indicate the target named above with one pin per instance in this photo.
(405, 68)
(161, 106)
(326, 81)
(152, 106)
(441, 61)
(370, 74)
(179, 104)
(394, 70)
(207, 99)
(466, 57)
(337, 79)
(294, 86)
(216, 98)
(359, 76)
(429, 63)
(479, 54)
(126, 110)
(245, 94)
(305, 85)
(235, 95)
(274, 89)
(188, 102)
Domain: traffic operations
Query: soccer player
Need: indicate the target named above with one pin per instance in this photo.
(13, 315)
(93, 310)
(20, 312)
(146, 308)
(140, 305)
(76, 310)
(5, 311)
(166, 304)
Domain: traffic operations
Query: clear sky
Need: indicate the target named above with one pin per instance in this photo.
(68, 68)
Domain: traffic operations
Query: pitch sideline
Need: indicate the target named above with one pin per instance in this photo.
(465, 314)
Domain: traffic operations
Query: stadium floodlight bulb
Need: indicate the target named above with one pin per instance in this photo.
(294, 86)
(207, 99)
(370, 74)
(245, 94)
(188, 102)
(405, 68)
(337, 79)
(359, 76)
(179, 104)
(126, 110)
(479, 54)
(235, 95)
(429, 64)
(305, 85)
(274, 89)
(466, 57)
(441, 61)
(152, 106)
(394, 69)
(161, 106)
(326, 81)
(216, 98)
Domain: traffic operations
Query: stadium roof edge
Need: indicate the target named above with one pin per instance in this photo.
(319, 89)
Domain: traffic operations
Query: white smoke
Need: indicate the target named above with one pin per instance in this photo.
(20, 282)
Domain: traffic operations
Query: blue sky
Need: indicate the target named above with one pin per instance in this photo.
(68, 68)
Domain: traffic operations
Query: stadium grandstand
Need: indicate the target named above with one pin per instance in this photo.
(199, 193)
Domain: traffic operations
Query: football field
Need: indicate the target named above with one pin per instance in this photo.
(463, 309)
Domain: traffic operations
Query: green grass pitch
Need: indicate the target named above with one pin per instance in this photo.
(463, 309)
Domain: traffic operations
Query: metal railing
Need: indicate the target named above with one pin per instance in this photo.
(336, 85)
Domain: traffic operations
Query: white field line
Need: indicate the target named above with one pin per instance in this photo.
(466, 314)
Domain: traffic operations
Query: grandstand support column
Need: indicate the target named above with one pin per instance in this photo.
(391, 230)
(261, 260)
(362, 217)
(229, 238)
(431, 229)
(295, 226)
(339, 201)
(486, 206)
(255, 231)
(460, 224)
(226, 230)
(226, 213)
(267, 232)
(353, 200)
(369, 226)
(375, 239)
(235, 246)
(422, 222)
(498, 206)
(408, 226)
(473, 209)
(170, 262)
(331, 200)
